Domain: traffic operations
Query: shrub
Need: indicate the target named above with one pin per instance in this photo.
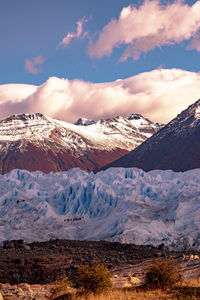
(162, 273)
(60, 289)
(95, 278)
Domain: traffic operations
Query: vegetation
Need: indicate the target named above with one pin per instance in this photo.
(188, 290)
(162, 273)
(132, 294)
(162, 282)
(95, 278)
(60, 288)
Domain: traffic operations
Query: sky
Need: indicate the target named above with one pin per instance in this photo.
(98, 59)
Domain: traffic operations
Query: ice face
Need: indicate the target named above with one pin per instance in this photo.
(126, 205)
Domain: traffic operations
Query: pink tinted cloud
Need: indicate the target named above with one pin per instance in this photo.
(34, 65)
(195, 43)
(74, 35)
(159, 95)
(146, 27)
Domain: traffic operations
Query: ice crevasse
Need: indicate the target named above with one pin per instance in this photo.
(125, 205)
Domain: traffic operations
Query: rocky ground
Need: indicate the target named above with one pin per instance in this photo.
(45, 262)
(24, 291)
(42, 263)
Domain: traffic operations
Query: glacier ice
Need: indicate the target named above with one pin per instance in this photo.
(126, 205)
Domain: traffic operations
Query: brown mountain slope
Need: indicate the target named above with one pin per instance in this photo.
(176, 146)
(37, 142)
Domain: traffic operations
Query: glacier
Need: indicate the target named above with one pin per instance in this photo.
(124, 205)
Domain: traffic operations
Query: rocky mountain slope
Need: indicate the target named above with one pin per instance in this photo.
(176, 146)
(37, 142)
(124, 205)
(47, 261)
(40, 264)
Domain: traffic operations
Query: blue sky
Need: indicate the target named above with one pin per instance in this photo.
(29, 29)
(98, 59)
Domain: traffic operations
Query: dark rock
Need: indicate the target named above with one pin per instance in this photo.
(44, 263)
(8, 245)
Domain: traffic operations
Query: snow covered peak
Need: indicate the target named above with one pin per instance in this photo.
(53, 145)
(24, 126)
(135, 117)
(24, 117)
(195, 109)
(195, 104)
(139, 120)
(189, 118)
(110, 133)
(84, 122)
(197, 112)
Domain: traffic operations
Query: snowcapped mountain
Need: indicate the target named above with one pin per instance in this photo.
(84, 122)
(37, 142)
(126, 205)
(176, 146)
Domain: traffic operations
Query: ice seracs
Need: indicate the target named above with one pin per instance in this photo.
(125, 205)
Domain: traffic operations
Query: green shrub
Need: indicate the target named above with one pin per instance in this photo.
(162, 273)
(95, 278)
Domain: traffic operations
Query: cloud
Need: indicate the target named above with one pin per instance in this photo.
(159, 95)
(34, 65)
(74, 35)
(146, 27)
(195, 43)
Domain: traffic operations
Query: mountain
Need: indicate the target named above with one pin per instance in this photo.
(37, 142)
(124, 205)
(84, 122)
(176, 146)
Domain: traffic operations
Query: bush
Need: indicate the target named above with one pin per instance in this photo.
(60, 289)
(162, 273)
(95, 278)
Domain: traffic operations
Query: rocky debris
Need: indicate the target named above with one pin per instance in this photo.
(15, 244)
(46, 262)
(125, 281)
(24, 274)
(24, 291)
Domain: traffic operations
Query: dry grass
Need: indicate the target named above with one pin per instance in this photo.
(128, 295)
(187, 290)
(182, 291)
(191, 283)
(143, 295)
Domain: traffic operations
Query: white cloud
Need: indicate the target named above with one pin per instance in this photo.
(34, 65)
(146, 27)
(74, 35)
(159, 95)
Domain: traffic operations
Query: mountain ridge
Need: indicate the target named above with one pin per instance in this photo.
(176, 146)
(37, 142)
